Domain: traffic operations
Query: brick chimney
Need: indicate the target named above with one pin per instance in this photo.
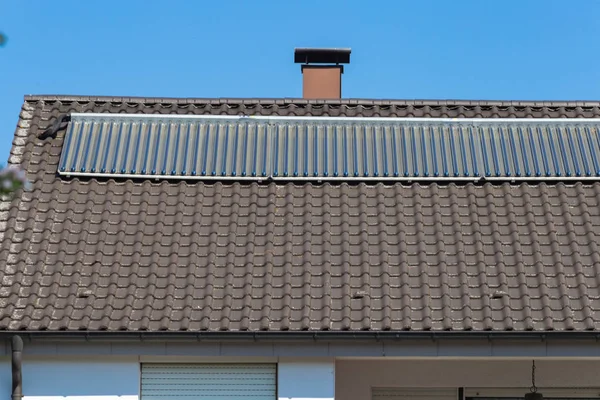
(322, 72)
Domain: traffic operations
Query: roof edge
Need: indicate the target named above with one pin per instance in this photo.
(301, 335)
(286, 100)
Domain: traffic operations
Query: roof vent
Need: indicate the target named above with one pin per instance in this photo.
(324, 80)
(84, 293)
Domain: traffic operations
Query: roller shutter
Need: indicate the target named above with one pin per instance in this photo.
(414, 394)
(209, 381)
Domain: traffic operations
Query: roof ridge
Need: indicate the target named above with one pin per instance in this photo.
(343, 101)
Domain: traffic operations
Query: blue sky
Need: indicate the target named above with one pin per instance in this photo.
(463, 49)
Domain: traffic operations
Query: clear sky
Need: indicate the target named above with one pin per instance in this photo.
(443, 49)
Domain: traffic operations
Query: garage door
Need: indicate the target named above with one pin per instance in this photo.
(209, 381)
(414, 394)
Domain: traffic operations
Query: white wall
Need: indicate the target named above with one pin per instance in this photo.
(75, 379)
(312, 378)
(54, 378)
(354, 379)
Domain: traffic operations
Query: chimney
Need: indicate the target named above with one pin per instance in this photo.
(322, 72)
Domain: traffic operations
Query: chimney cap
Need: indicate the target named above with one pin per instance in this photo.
(322, 55)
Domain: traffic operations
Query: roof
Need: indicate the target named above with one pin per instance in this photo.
(114, 254)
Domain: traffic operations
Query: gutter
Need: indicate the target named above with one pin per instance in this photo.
(296, 336)
(17, 359)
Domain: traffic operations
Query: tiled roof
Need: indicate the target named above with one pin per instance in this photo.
(105, 254)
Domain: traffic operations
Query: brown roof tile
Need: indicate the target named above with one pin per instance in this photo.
(180, 256)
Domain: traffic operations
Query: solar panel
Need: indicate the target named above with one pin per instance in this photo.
(328, 148)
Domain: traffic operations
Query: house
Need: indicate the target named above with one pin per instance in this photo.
(300, 249)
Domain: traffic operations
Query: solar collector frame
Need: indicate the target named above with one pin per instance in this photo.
(329, 148)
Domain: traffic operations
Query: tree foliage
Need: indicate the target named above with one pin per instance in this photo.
(12, 179)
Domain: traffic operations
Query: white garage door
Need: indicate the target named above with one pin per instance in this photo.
(414, 394)
(209, 381)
